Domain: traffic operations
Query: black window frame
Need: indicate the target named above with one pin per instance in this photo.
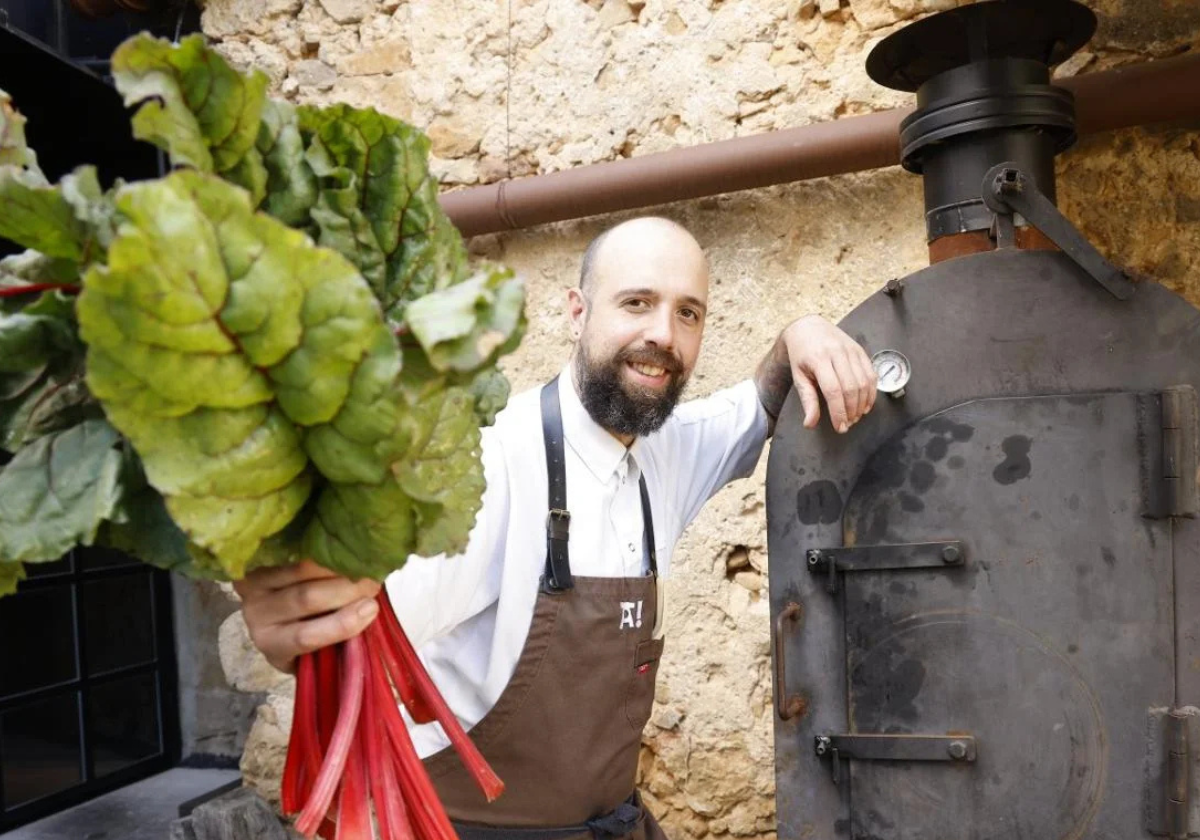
(162, 664)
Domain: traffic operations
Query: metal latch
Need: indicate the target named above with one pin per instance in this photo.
(1007, 190)
(954, 748)
(877, 558)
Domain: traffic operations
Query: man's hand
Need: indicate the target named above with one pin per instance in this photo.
(817, 357)
(298, 609)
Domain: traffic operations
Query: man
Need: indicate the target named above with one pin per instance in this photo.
(543, 635)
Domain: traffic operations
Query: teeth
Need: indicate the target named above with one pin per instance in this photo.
(648, 370)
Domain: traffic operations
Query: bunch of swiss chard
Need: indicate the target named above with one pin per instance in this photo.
(276, 351)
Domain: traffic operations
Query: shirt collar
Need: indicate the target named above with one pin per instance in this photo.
(600, 452)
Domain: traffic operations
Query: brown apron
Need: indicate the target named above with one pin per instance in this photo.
(566, 731)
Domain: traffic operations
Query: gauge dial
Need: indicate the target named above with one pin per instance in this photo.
(893, 369)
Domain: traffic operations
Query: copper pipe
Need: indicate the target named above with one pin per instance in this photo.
(1158, 91)
(1139, 94)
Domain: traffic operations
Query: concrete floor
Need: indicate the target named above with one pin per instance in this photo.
(141, 811)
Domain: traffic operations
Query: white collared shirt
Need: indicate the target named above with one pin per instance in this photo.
(469, 615)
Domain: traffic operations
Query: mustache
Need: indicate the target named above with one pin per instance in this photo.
(651, 356)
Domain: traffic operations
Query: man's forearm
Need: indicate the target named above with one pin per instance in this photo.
(773, 379)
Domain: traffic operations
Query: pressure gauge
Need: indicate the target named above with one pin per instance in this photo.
(893, 369)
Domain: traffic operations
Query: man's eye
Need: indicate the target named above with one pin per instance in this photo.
(689, 314)
(636, 305)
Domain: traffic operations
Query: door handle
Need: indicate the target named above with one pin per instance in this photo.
(794, 706)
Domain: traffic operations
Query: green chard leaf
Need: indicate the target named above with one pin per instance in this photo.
(13, 151)
(291, 183)
(71, 221)
(33, 267)
(195, 106)
(378, 203)
(261, 407)
(469, 325)
(55, 492)
(257, 379)
(142, 528)
(41, 371)
(36, 215)
(441, 473)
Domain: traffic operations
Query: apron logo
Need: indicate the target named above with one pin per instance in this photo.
(628, 617)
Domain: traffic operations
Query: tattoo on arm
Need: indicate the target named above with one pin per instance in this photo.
(774, 378)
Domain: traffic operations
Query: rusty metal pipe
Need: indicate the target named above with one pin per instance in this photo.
(1158, 91)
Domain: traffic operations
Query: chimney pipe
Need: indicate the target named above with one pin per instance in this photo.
(982, 77)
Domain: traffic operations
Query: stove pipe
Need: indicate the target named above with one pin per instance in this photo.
(982, 78)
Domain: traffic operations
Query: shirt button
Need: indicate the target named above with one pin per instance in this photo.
(631, 546)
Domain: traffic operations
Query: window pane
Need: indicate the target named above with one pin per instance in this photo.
(40, 747)
(124, 723)
(34, 19)
(117, 622)
(38, 646)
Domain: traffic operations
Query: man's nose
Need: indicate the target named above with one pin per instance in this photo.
(661, 330)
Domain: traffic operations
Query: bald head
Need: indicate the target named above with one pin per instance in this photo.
(649, 237)
(638, 315)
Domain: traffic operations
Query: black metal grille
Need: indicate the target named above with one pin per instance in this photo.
(88, 693)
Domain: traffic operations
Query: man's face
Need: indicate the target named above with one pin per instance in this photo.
(640, 328)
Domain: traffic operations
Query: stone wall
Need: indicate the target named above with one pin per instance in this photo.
(514, 87)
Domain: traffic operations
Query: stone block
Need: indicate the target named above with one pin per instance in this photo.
(348, 11)
(240, 815)
(182, 830)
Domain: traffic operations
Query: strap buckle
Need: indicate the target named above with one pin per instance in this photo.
(558, 524)
(622, 821)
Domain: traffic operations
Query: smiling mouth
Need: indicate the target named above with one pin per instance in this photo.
(653, 371)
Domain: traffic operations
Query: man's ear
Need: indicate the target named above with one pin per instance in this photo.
(576, 312)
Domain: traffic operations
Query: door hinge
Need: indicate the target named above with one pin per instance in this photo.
(879, 558)
(1172, 806)
(1179, 758)
(1170, 461)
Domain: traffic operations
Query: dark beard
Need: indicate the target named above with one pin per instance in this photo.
(619, 409)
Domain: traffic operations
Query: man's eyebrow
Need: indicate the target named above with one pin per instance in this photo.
(645, 292)
(690, 300)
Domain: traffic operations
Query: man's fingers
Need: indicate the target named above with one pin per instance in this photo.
(808, 399)
(282, 643)
(279, 577)
(831, 389)
(862, 378)
(849, 376)
(869, 379)
(339, 626)
(309, 599)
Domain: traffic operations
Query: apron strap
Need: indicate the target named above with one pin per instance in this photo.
(648, 525)
(557, 576)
